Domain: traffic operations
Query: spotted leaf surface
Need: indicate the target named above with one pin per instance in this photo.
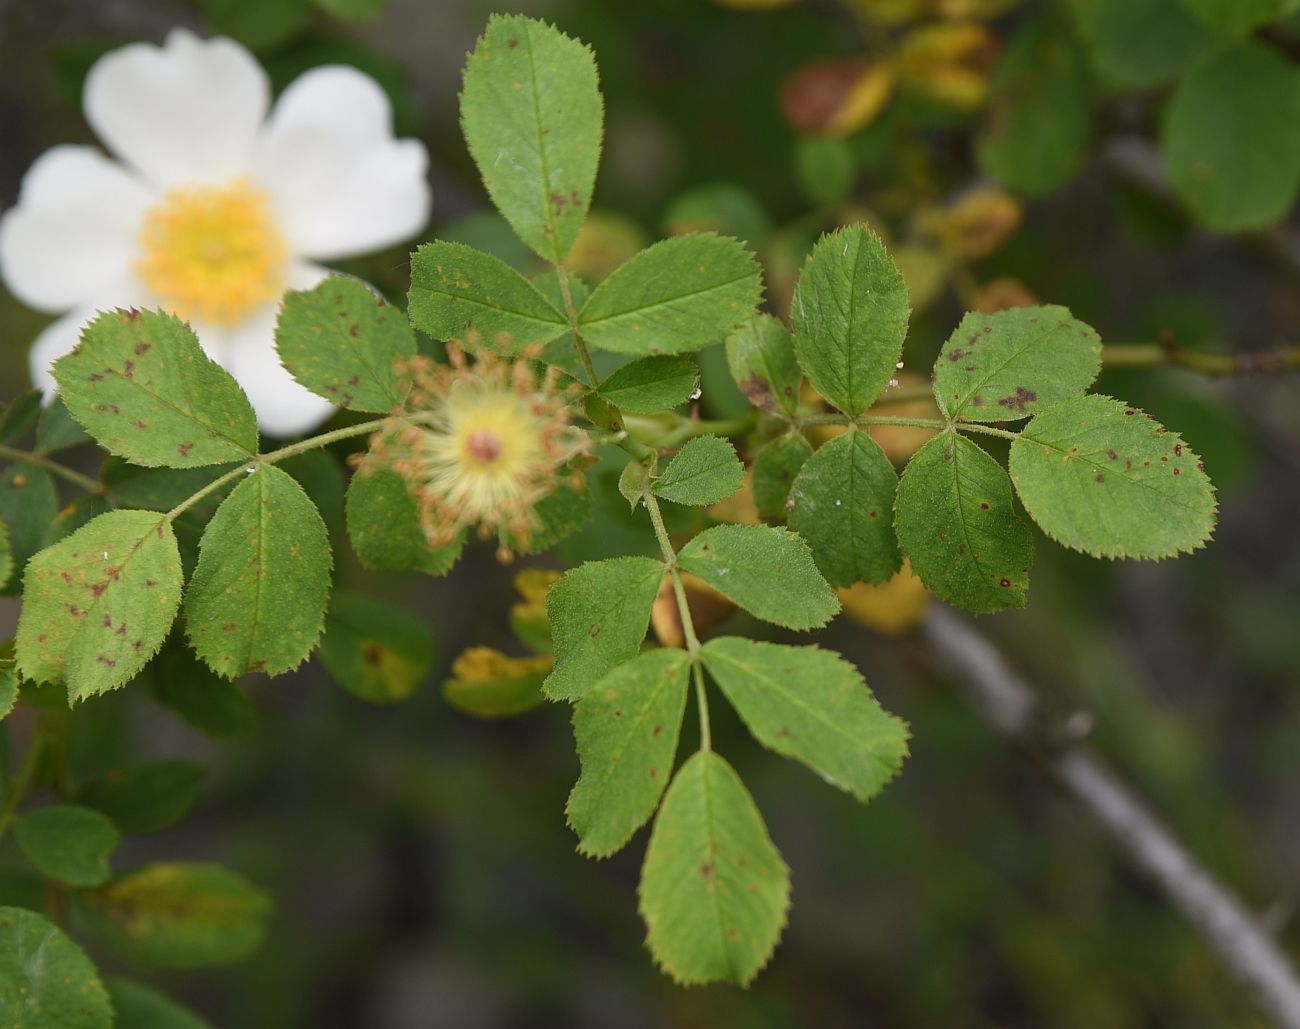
(341, 341)
(143, 387)
(1012, 364)
(45, 978)
(98, 604)
(533, 118)
(767, 571)
(958, 525)
(256, 601)
(461, 293)
(714, 890)
(760, 356)
(775, 469)
(850, 317)
(677, 296)
(842, 503)
(1100, 476)
(626, 729)
(599, 614)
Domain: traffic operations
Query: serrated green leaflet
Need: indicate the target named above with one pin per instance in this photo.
(486, 683)
(67, 842)
(1229, 138)
(760, 355)
(767, 571)
(8, 686)
(6, 556)
(533, 117)
(599, 614)
(384, 526)
(374, 649)
(28, 504)
(811, 705)
(1040, 117)
(1009, 365)
(143, 387)
(46, 980)
(99, 604)
(1104, 478)
(679, 295)
(177, 915)
(634, 482)
(651, 384)
(842, 504)
(626, 728)
(850, 317)
(957, 524)
(714, 890)
(341, 341)
(704, 471)
(460, 293)
(147, 796)
(1136, 44)
(144, 1008)
(775, 469)
(256, 601)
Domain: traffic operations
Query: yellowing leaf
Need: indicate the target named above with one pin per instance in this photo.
(893, 607)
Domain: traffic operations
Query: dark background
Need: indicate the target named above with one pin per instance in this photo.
(422, 870)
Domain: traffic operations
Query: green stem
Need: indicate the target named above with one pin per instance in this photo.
(692, 427)
(22, 783)
(53, 467)
(302, 446)
(702, 703)
(1207, 362)
(914, 423)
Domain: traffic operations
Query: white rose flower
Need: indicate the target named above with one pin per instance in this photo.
(215, 209)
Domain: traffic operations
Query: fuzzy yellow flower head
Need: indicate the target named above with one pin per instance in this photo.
(480, 443)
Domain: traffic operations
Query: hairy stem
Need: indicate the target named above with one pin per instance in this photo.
(53, 467)
(1206, 362)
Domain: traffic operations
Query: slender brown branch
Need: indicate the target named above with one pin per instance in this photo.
(1011, 707)
(1206, 362)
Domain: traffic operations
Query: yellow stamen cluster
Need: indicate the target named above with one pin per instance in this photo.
(212, 253)
(480, 444)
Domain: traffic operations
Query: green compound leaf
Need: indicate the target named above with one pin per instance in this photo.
(147, 796)
(760, 355)
(704, 471)
(626, 729)
(375, 650)
(1238, 17)
(178, 915)
(679, 295)
(384, 526)
(1041, 113)
(143, 387)
(767, 571)
(1137, 44)
(714, 891)
(652, 384)
(98, 605)
(599, 614)
(1229, 138)
(461, 293)
(850, 317)
(1009, 365)
(141, 1007)
(842, 503)
(533, 117)
(341, 341)
(811, 705)
(68, 843)
(957, 524)
(8, 686)
(46, 980)
(256, 601)
(29, 504)
(486, 683)
(1106, 479)
(775, 469)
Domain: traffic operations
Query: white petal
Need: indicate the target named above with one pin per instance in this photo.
(284, 408)
(340, 184)
(59, 338)
(73, 232)
(185, 113)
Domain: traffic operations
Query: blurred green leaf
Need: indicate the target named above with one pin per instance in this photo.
(67, 842)
(47, 979)
(375, 650)
(145, 797)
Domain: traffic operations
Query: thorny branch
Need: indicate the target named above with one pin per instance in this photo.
(1011, 707)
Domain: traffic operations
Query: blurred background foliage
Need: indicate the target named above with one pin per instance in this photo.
(1007, 152)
